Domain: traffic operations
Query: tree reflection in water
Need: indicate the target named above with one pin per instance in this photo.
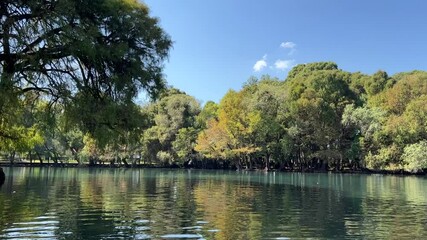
(153, 203)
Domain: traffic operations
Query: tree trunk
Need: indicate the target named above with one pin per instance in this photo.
(125, 163)
(92, 161)
(12, 157)
(40, 157)
(324, 165)
(238, 164)
(75, 155)
(55, 158)
(250, 162)
(267, 162)
(30, 156)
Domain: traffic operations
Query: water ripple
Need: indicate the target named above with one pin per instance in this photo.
(182, 236)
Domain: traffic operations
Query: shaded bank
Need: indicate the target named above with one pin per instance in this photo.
(2, 177)
(219, 167)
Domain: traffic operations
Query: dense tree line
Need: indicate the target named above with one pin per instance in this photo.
(318, 118)
(321, 117)
(70, 77)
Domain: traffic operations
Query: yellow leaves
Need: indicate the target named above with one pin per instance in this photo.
(411, 125)
(236, 117)
(254, 119)
(245, 150)
(396, 99)
(90, 148)
(416, 115)
(231, 135)
(127, 5)
(213, 141)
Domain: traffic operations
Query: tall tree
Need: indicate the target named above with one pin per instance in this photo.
(233, 130)
(77, 51)
(266, 96)
(318, 94)
(172, 133)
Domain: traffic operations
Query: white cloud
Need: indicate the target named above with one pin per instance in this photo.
(284, 64)
(289, 45)
(260, 64)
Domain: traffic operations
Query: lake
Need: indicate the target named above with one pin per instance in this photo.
(83, 203)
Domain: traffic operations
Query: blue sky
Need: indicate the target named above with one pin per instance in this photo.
(219, 44)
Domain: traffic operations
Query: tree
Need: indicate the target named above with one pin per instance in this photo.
(213, 142)
(21, 131)
(318, 94)
(265, 96)
(306, 69)
(79, 52)
(240, 123)
(378, 82)
(173, 119)
(415, 157)
(184, 143)
(365, 126)
(209, 111)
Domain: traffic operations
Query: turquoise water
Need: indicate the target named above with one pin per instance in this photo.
(62, 203)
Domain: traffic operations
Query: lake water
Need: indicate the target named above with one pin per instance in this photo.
(73, 203)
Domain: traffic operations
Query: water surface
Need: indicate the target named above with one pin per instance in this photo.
(73, 203)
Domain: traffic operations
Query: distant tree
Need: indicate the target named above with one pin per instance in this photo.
(23, 132)
(266, 98)
(318, 95)
(172, 132)
(415, 157)
(303, 70)
(365, 125)
(378, 82)
(184, 144)
(233, 130)
(213, 142)
(209, 111)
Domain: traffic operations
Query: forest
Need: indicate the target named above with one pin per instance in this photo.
(70, 80)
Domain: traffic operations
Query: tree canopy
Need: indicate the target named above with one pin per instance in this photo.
(92, 57)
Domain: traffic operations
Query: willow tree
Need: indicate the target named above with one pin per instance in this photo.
(93, 57)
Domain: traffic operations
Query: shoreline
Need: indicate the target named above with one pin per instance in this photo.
(141, 166)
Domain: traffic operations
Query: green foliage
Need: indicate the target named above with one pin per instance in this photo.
(209, 111)
(173, 128)
(185, 142)
(377, 83)
(306, 69)
(319, 116)
(385, 158)
(318, 96)
(368, 120)
(86, 55)
(415, 157)
(90, 149)
(393, 119)
(19, 132)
